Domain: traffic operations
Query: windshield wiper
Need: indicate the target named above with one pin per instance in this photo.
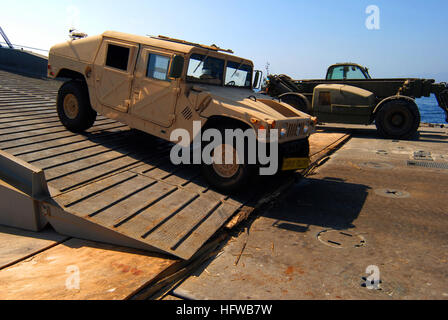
(202, 61)
(237, 69)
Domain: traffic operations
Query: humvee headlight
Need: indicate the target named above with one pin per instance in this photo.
(283, 132)
(305, 129)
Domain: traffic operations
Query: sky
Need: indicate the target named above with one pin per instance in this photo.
(298, 38)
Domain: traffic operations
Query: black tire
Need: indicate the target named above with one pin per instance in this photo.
(77, 115)
(241, 178)
(398, 119)
(298, 102)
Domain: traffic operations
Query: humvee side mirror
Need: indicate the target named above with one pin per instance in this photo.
(177, 66)
(257, 79)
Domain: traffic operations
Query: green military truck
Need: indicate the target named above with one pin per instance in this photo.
(348, 94)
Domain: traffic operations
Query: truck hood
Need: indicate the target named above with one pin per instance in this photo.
(249, 102)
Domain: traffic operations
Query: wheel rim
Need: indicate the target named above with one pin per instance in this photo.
(225, 170)
(397, 120)
(71, 107)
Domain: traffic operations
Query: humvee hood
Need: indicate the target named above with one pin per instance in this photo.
(255, 104)
(83, 50)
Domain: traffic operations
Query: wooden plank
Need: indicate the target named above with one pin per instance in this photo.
(26, 123)
(27, 105)
(27, 114)
(184, 175)
(86, 175)
(205, 230)
(31, 134)
(59, 151)
(163, 171)
(105, 272)
(322, 142)
(32, 128)
(41, 130)
(196, 185)
(68, 199)
(75, 155)
(19, 244)
(151, 218)
(31, 140)
(18, 97)
(18, 119)
(132, 205)
(171, 232)
(40, 109)
(76, 165)
(47, 146)
(97, 204)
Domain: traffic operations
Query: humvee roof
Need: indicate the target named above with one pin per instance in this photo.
(169, 44)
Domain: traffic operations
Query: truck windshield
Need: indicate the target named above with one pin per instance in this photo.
(346, 73)
(238, 75)
(205, 69)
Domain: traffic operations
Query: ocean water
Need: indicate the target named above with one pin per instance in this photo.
(430, 111)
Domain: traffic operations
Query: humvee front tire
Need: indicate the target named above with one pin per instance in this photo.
(228, 177)
(73, 107)
(398, 119)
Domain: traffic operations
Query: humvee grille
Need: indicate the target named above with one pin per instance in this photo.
(292, 129)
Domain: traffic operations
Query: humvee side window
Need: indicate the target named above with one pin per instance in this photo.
(205, 69)
(117, 57)
(157, 67)
(238, 75)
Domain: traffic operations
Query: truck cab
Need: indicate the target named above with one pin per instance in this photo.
(160, 84)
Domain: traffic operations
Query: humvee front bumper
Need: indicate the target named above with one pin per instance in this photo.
(294, 155)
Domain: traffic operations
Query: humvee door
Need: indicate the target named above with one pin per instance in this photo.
(154, 94)
(113, 73)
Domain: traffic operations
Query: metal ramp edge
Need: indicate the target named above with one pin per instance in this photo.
(22, 186)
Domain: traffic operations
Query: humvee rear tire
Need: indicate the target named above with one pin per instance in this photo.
(73, 107)
(398, 119)
(228, 177)
(297, 101)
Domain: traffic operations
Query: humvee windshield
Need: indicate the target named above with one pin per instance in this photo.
(210, 70)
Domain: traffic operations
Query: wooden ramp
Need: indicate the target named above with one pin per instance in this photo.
(112, 184)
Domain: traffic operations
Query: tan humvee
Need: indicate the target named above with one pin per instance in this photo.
(159, 84)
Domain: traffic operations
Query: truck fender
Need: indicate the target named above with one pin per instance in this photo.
(302, 102)
(397, 97)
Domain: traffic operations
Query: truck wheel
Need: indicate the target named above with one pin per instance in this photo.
(297, 101)
(398, 119)
(227, 177)
(73, 106)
